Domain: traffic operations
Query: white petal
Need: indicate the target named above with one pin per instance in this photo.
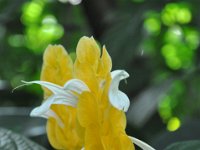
(43, 108)
(76, 85)
(117, 98)
(56, 89)
(52, 114)
(54, 99)
(117, 76)
(141, 144)
(45, 111)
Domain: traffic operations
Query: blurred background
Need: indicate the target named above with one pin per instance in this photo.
(156, 41)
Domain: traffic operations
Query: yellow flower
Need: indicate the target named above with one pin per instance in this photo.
(83, 105)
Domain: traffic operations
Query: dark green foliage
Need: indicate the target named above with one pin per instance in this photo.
(13, 141)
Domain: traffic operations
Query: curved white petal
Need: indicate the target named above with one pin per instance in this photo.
(45, 111)
(66, 95)
(119, 75)
(141, 144)
(41, 111)
(76, 85)
(61, 95)
(56, 89)
(52, 114)
(117, 98)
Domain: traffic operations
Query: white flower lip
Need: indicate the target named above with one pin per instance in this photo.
(45, 111)
(76, 85)
(66, 95)
(117, 98)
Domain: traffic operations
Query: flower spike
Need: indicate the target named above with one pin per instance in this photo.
(79, 97)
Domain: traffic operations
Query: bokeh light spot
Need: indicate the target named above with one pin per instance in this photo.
(31, 11)
(174, 34)
(152, 25)
(174, 63)
(168, 13)
(16, 40)
(169, 52)
(192, 38)
(165, 110)
(38, 36)
(173, 124)
(49, 19)
(32, 41)
(184, 16)
(176, 13)
(50, 29)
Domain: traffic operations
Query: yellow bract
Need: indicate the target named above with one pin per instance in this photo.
(57, 66)
(94, 124)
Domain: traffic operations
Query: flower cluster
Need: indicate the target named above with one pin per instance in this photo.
(83, 105)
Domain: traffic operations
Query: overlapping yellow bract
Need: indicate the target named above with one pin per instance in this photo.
(94, 124)
(57, 66)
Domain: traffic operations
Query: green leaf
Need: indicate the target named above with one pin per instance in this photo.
(13, 141)
(187, 145)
